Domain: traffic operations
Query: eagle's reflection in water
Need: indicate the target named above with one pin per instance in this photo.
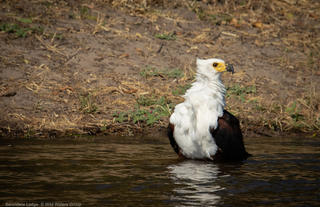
(195, 183)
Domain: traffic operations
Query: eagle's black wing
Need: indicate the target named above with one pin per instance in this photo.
(228, 137)
(173, 142)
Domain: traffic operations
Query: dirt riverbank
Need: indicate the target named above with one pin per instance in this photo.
(117, 67)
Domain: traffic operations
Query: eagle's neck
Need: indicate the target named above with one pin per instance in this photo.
(208, 92)
(213, 82)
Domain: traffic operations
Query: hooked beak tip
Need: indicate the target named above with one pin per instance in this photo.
(230, 68)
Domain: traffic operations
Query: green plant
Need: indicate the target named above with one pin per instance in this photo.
(146, 101)
(294, 112)
(25, 20)
(149, 71)
(180, 90)
(149, 110)
(18, 30)
(29, 133)
(166, 36)
(152, 101)
(215, 18)
(87, 104)
(14, 28)
(120, 116)
(173, 73)
(85, 13)
(55, 36)
(219, 18)
(241, 92)
(103, 127)
(238, 90)
(200, 13)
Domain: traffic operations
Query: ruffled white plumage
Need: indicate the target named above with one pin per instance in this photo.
(192, 119)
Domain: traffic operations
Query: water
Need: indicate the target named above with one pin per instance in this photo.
(110, 171)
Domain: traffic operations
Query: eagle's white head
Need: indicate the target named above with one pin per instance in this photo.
(212, 68)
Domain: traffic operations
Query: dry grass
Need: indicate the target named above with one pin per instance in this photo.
(74, 98)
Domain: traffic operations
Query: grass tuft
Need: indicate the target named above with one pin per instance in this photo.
(18, 30)
(86, 13)
(180, 90)
(148, 111)
(166, 36)
(87, 104)
(25, 20)
(240, 91)
(220, 18)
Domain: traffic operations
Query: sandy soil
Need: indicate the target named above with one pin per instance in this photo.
(117, 67)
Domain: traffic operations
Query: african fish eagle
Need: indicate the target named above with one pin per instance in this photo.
(200, 127)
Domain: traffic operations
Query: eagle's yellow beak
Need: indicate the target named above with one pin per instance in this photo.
(221, 67)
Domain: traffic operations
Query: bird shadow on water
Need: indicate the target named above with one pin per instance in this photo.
(196, 182)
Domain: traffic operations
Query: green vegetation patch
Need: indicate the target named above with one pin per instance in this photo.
(14, 28)
(166, 36)
(220, 18)
(18, 30)
(241, 91)
(87, 104)
(217, 18)
(86, 13)
(294, 112)
(180, 90)
(149, 110)
(25, 20)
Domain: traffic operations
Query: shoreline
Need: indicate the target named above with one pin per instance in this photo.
(133, 132)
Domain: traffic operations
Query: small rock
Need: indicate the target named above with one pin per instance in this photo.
(9, 94)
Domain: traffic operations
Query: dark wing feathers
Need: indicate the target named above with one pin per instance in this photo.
(229, 138)
(171, 138)
(173, 142)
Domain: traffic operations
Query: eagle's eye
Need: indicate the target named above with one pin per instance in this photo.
(215, 64)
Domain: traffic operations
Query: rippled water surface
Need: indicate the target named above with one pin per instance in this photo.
(126, 171)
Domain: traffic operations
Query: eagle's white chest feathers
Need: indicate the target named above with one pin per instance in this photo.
(192, 119)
